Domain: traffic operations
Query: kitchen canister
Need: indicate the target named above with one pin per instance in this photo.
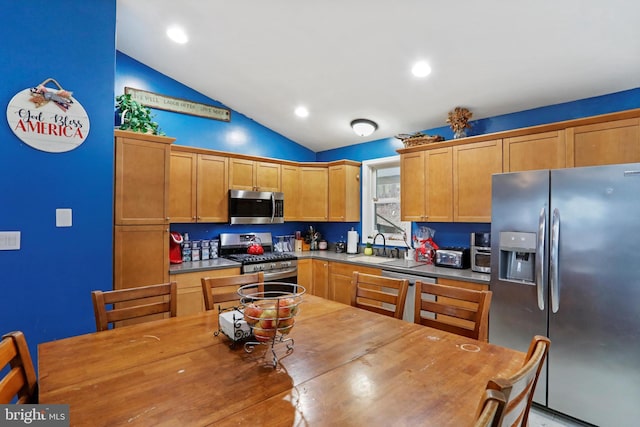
(352, 241)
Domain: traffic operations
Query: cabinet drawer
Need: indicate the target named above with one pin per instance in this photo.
(344, 269)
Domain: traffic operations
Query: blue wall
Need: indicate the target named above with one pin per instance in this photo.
(240, 135)
(610, 103)
(46, 285)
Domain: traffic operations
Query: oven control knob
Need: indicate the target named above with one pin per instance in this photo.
(286, 263)
(273, 265)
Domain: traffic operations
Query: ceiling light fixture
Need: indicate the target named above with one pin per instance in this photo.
(177, 34)
(301, 112)
(364, 127)
(421, 69)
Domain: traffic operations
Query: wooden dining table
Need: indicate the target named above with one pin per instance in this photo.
(348, 367)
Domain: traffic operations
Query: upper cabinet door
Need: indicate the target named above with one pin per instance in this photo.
(427, 185)
(199, 188)
(267, 176)
(241, 174)
(473, 165)
(183, 187)
(412, 187)
(141, 178)
(314, 193)
(534, 152)
(213, 189)
(604, 143)
(439, 184)
(344, 193)
(252, 175)
(290, 180)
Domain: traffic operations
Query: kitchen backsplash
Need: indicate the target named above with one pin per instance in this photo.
(447, 234)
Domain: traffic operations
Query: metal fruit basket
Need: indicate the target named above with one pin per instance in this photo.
(271, 315)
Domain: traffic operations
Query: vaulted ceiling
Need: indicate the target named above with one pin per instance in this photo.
(350, 59)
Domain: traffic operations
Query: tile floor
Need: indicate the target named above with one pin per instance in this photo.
(541, 418)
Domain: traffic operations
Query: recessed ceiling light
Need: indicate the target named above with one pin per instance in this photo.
(177, 34)
(421, 69)
(301, 112)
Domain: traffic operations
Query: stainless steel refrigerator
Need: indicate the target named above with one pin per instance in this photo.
(565, 263)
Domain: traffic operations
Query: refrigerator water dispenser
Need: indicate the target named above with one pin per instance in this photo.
(517, 256)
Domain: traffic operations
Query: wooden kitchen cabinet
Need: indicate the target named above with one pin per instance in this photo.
(344, 192)
(314, 193)
(427, 185)
(340, 275)
(305, 274)
(412, 186)
(253, 175)
(141, 178)
(190, 298)
(290, 185)
(198, 188)
(536, 151)
(141, 223)
(321, 278)
(604, 143)
(473, 165)
(140, 256)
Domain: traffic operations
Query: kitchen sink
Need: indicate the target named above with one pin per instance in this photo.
(370, 259)
(405, 263)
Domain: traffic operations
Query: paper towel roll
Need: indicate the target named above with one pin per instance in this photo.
(352, 242)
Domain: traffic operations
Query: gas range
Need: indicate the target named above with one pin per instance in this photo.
(275, 265)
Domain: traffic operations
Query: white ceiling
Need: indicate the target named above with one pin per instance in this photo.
(352, 58)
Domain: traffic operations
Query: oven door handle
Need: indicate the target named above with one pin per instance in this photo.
(282, 274)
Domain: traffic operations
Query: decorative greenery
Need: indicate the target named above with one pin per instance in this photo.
(135, 116)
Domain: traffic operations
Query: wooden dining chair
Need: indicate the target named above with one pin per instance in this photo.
(460, 311)
(134, 303)
(518, 389)
(19, 385)
(491, 409)
(223, 291)
(383, 295)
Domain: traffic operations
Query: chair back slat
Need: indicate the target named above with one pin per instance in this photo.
(19, 383)
(491, 409)
(460, 311)
(223, 290)
(138, 311)
(134, 303)
(518, 389)
(383, 295)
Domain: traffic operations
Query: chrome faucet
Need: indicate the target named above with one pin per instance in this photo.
(384, 243)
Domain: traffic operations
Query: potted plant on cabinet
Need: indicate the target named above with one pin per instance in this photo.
(135, 117)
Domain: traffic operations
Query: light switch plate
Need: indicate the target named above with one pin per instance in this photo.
(9, 240)
(63, 217)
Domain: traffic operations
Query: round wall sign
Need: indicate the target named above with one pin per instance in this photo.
(48, 119)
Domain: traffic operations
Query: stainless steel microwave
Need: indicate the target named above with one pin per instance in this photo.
(256, 207)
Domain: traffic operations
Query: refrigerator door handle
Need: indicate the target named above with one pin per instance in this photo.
(542, 228)
(553, 261)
